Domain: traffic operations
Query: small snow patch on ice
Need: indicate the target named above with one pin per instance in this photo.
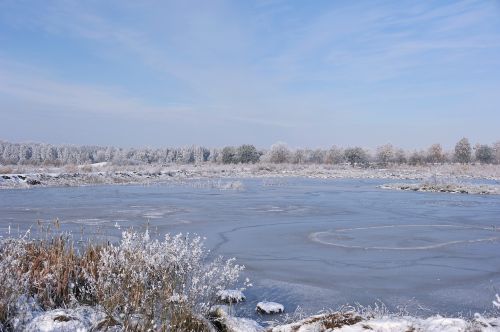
(270, 307)
(231, 296)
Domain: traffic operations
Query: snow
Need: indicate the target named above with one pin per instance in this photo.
(231, 296)
(270, 307)
(453, 188)
(235, 324)
(61, 320)
(397, 324)
(238, 324)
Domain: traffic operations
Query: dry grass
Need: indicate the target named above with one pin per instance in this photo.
(6, 170)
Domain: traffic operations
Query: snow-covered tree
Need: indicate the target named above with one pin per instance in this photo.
(298, 156)
(463, 151)
(484, 154)
(385, 154)
(247, 153)
(435, 154)
(317, 156)
(279, 153)
(335, 155)
(356, 156)
(496, 151)
(400, 156)
(417, 158)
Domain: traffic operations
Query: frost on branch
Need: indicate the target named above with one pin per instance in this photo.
(167, 284)
(161, 280)
(497, 302)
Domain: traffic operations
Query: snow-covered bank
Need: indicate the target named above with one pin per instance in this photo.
(352, 322)
(86, 318)
(27, 177)
(453, 188)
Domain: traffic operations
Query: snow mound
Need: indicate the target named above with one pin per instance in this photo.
(59, 320)
(351, 322)
(229, 323)
(231, 296)
(323, 322)
(269, 307)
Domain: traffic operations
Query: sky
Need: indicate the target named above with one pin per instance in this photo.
(216, 73)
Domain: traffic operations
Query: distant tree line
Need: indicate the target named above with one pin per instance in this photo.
(59, 155)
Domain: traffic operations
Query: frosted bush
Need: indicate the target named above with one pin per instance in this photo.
(497, 302)
(11, 285)
(166, 282)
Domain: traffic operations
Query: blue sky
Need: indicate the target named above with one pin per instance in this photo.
(215, 73)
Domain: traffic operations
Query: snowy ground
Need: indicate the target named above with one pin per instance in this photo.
(453, 188)
(90, 319)
(102, 173)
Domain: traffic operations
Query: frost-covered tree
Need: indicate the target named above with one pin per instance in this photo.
(229, 155)
(463, 151)
(298, 156)
(335, 155)
(385, 154)
(484, 154)
(496, 151)
(25, 154)
(279, 153)
(215, 155)
(247, 153)
(317, 156)
(417, 158)
(435, 154)
(11, 154)
(400, 156)
(356, 156)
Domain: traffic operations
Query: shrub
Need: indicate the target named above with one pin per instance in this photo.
(161, 285)
(162, 281)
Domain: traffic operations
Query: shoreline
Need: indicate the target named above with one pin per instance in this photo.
(98, 174)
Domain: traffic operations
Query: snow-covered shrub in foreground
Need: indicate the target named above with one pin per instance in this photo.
(10, 285)
(140, 283)
(169, 283)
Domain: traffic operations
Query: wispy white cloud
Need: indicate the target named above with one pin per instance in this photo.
(35, 86)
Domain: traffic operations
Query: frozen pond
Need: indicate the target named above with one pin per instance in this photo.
(310, 243)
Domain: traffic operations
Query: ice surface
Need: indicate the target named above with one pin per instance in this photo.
(283, 261)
